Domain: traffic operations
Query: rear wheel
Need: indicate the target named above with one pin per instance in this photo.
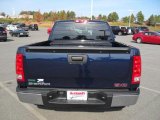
(139, 40)
(119, 33)
(18, 35)
(5, 40)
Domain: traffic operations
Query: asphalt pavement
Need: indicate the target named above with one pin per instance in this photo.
(147, 107)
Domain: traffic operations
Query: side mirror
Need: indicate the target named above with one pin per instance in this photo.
(49, 30)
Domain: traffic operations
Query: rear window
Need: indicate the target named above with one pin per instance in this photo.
(80, 31)
(1, 29)
(155, 33)
(115, 27)
(123, 28)
(144, 28)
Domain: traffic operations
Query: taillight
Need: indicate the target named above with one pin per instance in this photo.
(49, 31)
(20, 68)
(136, 70)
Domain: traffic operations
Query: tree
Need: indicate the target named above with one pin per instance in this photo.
(38, 16)
(93, 17)
(157, 18)
(113, 17)
(3, 14)
(110, 19)
(151, 20)
(62, 15)
(140, 17)
(125, 19)
(27, 12)
(99, 17)
(71, 15)
(132, 18)
(53, 16)
(45, 15)
(104, 18)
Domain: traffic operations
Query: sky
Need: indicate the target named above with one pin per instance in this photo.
(82, 7)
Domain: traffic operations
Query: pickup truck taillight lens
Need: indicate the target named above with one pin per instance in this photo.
(49, 31)
(20, 68)
(136, 70)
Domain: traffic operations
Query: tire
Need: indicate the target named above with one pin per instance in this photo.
(139, 40)
(5, 40)
(27, 36)
(12, 35)
(18, 35)
(120, 33)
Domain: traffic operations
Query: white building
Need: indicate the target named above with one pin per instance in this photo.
(1, 16)
(26, 16)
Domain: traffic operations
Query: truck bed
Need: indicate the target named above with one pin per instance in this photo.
(79, 42)
(75, 66)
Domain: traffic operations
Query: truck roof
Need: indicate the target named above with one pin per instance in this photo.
(80, 19)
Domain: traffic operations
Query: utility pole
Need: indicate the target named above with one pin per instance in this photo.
(91, 9)
(130, 12)
(13, 13)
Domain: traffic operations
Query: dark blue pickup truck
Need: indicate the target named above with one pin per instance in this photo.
(81, 63)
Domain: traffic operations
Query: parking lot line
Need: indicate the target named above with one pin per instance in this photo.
(149, 89)
(8, 81)
(28, 107)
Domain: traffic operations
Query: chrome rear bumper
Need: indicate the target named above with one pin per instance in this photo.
(111, 99)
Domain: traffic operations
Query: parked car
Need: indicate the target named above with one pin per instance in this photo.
(131, 30)
(147, 37)
(11, 27)
(23, 26)
(3, 34)
(4, 25)
(19, 33)
(142, 29)
(33, 27)
(134, 30)
(117, 30)
(81, 63)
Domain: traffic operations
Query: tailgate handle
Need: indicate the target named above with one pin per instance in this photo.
(77, 59)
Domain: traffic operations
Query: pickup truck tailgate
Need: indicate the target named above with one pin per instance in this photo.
(78, 68)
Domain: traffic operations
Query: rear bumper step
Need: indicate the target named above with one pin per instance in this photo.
(110, 99)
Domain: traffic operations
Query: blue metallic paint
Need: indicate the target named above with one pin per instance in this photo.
(100, 71)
